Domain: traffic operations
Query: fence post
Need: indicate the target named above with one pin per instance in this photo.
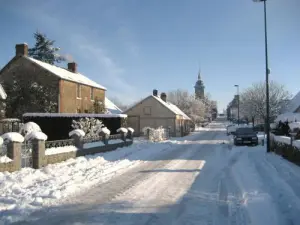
(105, 138)
(38, 153)
(130, 133)
(14, 153)
(78, 141)
(123, 135)
(148, 134)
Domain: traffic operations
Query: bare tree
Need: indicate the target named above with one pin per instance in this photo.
(194, 108)
(253, 100)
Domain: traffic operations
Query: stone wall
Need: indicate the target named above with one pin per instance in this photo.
(40, 159)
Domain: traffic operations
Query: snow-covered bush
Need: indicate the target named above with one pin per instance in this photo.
(158, 134)
(29, 127)
(295, 125)
(145, 130)
(36, 135)
(90, 126)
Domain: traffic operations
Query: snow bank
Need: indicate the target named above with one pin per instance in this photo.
(13, 137)
(105, 130)
(36, 135)
(93, 144)
(57, 150)
(130, 129)
(122, 129)
(28, 190)
(78, 132)
(282, 139)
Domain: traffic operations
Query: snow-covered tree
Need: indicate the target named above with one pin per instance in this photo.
(253, 100)
(98, 107)
(194, 108)
(90, 126)
(44, 50)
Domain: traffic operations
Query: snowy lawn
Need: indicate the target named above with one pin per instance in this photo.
(28, 190)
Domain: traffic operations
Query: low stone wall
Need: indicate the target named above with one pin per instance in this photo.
(40, 159)
(60, 157)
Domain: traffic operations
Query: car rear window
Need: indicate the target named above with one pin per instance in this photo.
(244, 131)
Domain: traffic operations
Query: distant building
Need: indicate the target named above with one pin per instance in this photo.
(199, 88)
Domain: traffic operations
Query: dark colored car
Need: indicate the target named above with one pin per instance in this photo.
(245, 136)
(259, 128)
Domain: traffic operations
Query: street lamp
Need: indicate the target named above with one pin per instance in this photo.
(238, 99)
(267, 76)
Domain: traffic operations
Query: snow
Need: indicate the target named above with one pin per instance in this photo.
(78, 132)
(294, 103)
(130, 129)
(94, 144)
(291, 117)
(122, 129)
(29, 127)
(66, 74)
(111, 107)
(282, 139)
(10, 120)
(3, 94)
(5, 159)
(57, 150)
(105, 130)
(82, 115)
(296, 143)
(172, 107)
(36, 135)
(294, 125)
(1, 141)
(13, 137)
(28, 190)
(193, 180)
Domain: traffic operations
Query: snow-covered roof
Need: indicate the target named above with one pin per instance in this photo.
(294, 103)
(73, 115)
(289, 116)
(172, 107)
(111, 107)
(3, 94)
(66, 74)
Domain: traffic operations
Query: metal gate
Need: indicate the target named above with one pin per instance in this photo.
(26, 154)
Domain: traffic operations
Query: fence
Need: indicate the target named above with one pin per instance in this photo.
(158, 134)
(38, 153)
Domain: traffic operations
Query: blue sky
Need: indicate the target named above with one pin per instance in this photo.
(134, 46)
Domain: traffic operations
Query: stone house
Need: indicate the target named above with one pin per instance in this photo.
(154, 111)
(69, 91)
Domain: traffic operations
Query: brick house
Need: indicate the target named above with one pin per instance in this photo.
(70, 91)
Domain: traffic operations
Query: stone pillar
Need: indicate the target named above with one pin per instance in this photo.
(105, 138)
(130, 134)
(123, 136)
(14, 153)
(78, 141)
(38, 153)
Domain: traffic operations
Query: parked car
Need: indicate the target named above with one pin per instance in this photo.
(245, 136)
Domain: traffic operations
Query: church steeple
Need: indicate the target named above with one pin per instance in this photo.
(199, 87)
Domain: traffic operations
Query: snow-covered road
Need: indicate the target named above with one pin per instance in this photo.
(198, 181)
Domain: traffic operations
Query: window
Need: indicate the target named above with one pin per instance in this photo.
(86, 111)
(147, 110)
(78, 91)
(92, 93)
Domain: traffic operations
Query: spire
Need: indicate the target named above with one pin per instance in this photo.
(199, 74)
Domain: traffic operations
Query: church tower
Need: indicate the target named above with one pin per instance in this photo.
(199, 88)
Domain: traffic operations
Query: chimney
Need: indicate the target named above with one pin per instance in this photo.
(21, 49)
(163, 96)
(155, 92)
(72, 66)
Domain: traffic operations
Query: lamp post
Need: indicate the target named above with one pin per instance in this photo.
(238, 100)
(267, 76)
